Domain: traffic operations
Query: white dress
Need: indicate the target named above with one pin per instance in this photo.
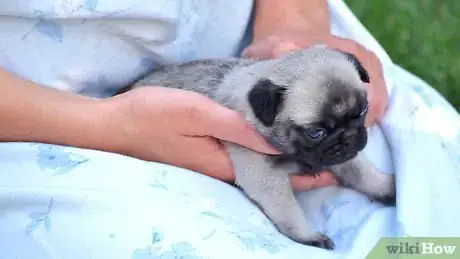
(63, 202)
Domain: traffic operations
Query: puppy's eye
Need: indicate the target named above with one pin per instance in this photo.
(316, 133)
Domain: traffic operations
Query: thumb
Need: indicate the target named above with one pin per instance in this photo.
(268, 49)
(225, 124)
(207, 156)
(309, 182)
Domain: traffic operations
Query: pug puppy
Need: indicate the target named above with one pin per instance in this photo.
(310, 104)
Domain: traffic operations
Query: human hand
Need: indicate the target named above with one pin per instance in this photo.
(289, 39)
(183, 129)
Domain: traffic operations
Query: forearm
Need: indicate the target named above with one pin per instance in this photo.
(271, 15)
(34, 113)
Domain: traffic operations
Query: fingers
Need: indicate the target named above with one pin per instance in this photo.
(204, 155)
(230, 126)
(380, 96)
(198, 115)
(212, 159)
(212, 119)
(378, 99)
(308, 182)
(377, 91)
(271, 47)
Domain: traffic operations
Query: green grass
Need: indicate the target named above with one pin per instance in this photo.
(423, 36)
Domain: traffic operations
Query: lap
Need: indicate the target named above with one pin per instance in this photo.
(60, 201)
(72, 203)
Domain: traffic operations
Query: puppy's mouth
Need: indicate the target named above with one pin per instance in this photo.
(342, 147)
(338, 148)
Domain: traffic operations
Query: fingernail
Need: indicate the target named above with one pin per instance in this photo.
(268, 148)
(271, 148)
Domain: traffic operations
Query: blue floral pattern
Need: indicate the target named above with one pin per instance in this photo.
(90, 5)
(159, 181)
(57, 159)
(342, 217)
(127, 208)
(40, 218)
(452, 149)
(178, 250)
(253, 240)
(49, 28)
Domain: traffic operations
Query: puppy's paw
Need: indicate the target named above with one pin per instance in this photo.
(320, 241)
(311, 239)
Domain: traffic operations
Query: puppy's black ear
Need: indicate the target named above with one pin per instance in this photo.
(363, 74)
(265, 99)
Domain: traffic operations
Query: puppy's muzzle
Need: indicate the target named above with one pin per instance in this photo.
(342, 145)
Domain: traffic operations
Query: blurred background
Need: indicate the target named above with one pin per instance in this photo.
(423, 36)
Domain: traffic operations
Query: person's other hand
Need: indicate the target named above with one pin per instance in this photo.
(290, 39)
(183, 129)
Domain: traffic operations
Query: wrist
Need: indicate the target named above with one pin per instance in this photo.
(84, 122)
(34, 113)
(67, 119)
(114, 125)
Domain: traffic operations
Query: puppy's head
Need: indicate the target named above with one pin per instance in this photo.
(312, 105)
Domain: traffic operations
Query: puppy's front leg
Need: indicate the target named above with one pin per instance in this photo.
(269, 187)
(361, 175)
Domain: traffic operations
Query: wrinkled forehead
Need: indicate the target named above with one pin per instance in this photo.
(330, 98)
